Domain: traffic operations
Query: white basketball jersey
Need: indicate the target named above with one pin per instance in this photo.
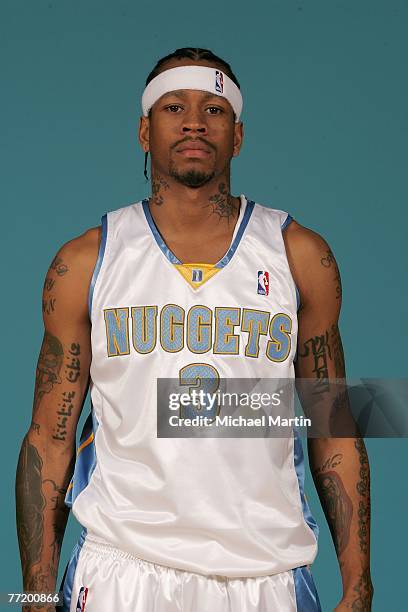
(227, 506)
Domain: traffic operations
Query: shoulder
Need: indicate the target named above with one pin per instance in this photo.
(299, 239)
(312, 262)
(83, 250)
(80, 252)
(304, 242)
(69, 275)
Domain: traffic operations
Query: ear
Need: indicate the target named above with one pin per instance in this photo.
(238, 137)
(144, 133)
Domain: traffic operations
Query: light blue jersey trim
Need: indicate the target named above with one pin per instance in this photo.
(98, 264)
(157, 235)
(284, 225)
(170, 255)
(68, 579)
(245, 220)
(86, 460)
(297, 299)
(307, 598)
(288, 220)
(299, 461)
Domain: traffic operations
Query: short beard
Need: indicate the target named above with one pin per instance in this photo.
(191, 178)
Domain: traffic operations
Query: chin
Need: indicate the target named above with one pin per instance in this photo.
(193, 177)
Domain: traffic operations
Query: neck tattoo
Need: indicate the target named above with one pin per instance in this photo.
(223, 204)
(159, 185)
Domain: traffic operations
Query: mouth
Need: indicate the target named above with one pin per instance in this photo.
(193, 149)
(200, 153)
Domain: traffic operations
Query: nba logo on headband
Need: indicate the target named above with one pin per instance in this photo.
(219, 82)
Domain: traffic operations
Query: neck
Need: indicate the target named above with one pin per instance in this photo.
(209, 206)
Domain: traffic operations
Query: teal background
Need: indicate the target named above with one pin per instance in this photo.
(325, 99)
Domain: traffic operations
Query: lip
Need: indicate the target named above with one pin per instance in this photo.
(194, 152)
(193, 145)
(193, 148)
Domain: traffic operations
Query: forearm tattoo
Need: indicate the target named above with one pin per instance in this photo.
(33, 495)
(363, 488)
(364, 593)
(337, 506)
(318, 348)
(330, 463)
(30, 505)
(48, 368)
(73, 364)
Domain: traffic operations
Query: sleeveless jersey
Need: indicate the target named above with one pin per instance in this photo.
(226, 506)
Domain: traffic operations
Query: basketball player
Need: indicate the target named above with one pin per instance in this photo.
(191, 283)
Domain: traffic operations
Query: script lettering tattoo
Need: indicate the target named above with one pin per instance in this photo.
(49, 283)
(158, 184)
(319, 348)
(65, 411)
(363, 488)
(73, 366)
(223, 203)
(338, 507)
(48, 368)
(329, 261)
(48, 305)
(330, 463)
(59, 266)
(30, 505)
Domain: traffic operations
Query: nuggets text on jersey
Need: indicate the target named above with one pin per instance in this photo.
(200, 329)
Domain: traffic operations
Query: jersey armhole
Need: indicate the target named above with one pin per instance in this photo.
(284, 225)
(101, 253)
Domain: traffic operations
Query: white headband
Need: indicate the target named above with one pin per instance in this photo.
(193, 77)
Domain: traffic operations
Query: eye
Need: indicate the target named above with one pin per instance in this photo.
(171, 107)
(215, 108)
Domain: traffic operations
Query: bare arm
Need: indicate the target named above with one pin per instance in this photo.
(339, 466)
(47, 455)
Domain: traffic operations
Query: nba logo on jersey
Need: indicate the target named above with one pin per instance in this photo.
(263, 282)
(83, 592)
(196, 275)
(219, 82)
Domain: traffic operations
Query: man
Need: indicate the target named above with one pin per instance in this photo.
(191, 284)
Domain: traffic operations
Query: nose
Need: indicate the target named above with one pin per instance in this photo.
(194, 121)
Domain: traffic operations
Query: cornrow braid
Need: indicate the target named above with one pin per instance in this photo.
(197, 54)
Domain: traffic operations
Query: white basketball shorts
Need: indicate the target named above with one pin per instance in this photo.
(101, 578)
